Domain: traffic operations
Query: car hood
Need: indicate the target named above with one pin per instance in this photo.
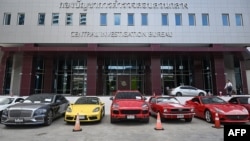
(173, 105)
(229, 108)
(27, 106)
(2, 107)
(83, 108)
(130, 103)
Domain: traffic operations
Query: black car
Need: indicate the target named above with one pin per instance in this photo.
(36, 109)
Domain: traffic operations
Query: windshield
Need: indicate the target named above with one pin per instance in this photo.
(41, 98)
(87, 100)
(5, 101)
(128, 95)
(212, 100)
(167, 100)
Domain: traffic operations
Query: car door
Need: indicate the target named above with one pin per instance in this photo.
(192, 91)
(62, 104)
(152, 105)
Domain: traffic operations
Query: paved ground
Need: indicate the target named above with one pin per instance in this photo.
(124, 131)
(178, 130)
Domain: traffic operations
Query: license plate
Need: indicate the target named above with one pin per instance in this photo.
(180, 116)
(18, 120)
(82, 117)
(130, 117)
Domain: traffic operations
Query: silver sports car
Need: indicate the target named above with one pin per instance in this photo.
(35, 109)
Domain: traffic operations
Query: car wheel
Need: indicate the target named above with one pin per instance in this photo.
(178, 94)
(201, 94)
(208, 116)
(188, 119)
(49, 118)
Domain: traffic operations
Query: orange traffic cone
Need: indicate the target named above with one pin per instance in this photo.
(77, 124)
(216, 121)
(158, 123)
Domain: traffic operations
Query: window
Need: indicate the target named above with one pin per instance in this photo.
(20, 17)
(83, 19)
(225, 19)
(239, 20)
(144, 19)
(130, 19)
(164, 19)
(205, 20)
(178, 19)
(69, 18)
(41, 18)
(103, 19)
(191, 19)
(55, 19)
(117, 19)
(7, 17)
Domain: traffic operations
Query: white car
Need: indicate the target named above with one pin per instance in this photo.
(186, 90)
(7, 101)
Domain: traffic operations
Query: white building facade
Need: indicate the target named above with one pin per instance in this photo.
(94, 47)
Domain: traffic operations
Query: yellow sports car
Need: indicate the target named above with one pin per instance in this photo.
(89, 109)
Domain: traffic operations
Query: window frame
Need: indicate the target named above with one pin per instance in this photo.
(20, 18)
(205, 19)
(55, 21)
(144, 19)
(131, 19)
(225, 19)
(67, 21)
(39, 19)
(239, 23)
(191, 19)
(117, 19)
(164, 19)
(83, 19)
(178, 19)
(7, 19)
(103, 19)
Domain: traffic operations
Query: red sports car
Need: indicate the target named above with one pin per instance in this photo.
(129, 105)
(241, 100)
(206, 107)
(170, 108)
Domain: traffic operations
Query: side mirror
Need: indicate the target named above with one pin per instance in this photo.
(111, 98)
(144, 98)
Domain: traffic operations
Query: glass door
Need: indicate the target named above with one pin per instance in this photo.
(78, 85)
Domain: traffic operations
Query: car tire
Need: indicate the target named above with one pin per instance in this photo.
(208, 116)
(178, 94)
(188, 119)
(49, 118)
(201, 94)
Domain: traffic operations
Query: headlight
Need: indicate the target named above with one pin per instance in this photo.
(69, 109)
(115, 106)
(96, 109)
(145, 106)
(165, 110)
(245, 110)
(219, 110)
(5, 112)
(192, 110)
(40, 112)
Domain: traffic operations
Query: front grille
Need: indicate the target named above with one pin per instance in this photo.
(20, 113)
(237, 117)
(180, 110)
(132, 112)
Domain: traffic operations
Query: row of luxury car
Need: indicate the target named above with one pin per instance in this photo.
(126, 105)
